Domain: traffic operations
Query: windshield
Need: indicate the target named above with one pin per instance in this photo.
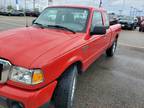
(127, 19)
(72, 18)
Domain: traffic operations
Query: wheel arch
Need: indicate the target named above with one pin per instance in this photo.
(117, 36)
(77, 63)
(73, 62)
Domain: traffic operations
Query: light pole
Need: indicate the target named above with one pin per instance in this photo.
(120, 12)
(26, 21)
(135, 12)
(5, 5)
(124, 2)
(10, 2)
(17, 4)
(100, 5)
(131, 9)
(1, 4)
(34, 5)
(123, 6)
(50, 2)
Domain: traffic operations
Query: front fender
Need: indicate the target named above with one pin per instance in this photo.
(73, 60)
(54, 70)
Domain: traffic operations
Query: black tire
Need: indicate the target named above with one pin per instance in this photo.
(64, 93)
(140, 29)
(21, 15)
(110, 52)
(15, 105)
(135, 27)
(132, 28)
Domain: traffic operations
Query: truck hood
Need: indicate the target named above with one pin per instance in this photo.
(22, 46)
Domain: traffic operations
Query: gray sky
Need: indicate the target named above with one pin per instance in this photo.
(115, 5)
(110, 5)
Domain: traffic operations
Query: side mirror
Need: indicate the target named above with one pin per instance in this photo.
(33, 21)
(99, 31)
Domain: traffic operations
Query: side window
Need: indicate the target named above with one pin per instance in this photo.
(107, 22)
(97, 20)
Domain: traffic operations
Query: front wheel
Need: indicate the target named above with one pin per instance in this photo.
(64, 93)
(140, 29)
(110, 52)
(132, 28)
(143, 29)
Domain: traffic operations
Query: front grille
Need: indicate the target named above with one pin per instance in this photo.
(125, 23)
(4, 70)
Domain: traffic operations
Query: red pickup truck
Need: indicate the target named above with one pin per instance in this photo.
(40, 64)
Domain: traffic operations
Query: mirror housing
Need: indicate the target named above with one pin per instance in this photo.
(99, 31)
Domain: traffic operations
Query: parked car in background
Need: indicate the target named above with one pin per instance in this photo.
(140, 19)
(7, 12)
(35, 13)
(136, 21)
(1, 11)
(113, 18)
(28, 12)
(128, 23)
(14, 12)
(17, 13)
(32, 13)
(141, 28)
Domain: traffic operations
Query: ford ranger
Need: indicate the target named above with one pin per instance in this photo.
(40, 64)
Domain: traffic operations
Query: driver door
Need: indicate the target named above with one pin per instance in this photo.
(96, 43)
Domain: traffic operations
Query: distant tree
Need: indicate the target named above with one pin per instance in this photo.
(9, 7)
(36, 9)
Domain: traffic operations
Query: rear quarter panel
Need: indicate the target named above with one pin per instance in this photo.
(115, 30)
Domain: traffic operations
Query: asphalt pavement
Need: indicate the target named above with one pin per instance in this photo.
(116, 82)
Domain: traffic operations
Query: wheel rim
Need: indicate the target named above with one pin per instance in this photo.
(114, 47)
(73, 90)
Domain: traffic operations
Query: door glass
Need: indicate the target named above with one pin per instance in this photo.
(106, 18)
(97, 20)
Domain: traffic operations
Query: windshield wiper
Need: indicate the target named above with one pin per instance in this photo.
(62, 27)
(40, 25)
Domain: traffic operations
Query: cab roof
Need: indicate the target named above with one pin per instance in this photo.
(83, 7)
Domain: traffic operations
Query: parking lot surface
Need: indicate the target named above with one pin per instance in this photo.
(116, 82)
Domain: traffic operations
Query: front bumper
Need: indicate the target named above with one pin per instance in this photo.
(126, 25)
(29, 99)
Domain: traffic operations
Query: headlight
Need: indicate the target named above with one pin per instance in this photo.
(26, 76)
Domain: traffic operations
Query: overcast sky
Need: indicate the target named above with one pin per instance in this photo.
(110, 5)
(115, 5)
